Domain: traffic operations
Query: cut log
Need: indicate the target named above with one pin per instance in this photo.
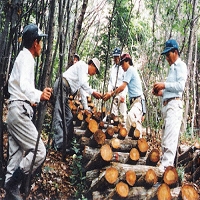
(186, 154)
(105, 180)
(189, 192)
(138, 169)
(130, 177)
(106, 152)
(139, 193)
(116, 129)
(122, 133)
(97, 116)
(115, 143)
(109, 132)
(132, 129)
(79, 118)
(142, 147)
(196, 174)
(125, 145)
(134, 156)
(194, 163)
(111, 175)
(85, 123)
(100, 159)
(99, 137)
(122, 189)
(163, 192)
(153, 157)
(92, 174)
(122, 157)
(92, 128)
(102, 125)
(151, 178)
(170, 176)
(116, 120)
(148, 179)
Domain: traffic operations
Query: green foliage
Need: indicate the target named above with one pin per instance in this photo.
(181, 173)
(77, 177)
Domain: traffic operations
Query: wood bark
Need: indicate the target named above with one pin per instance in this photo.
(138, 169)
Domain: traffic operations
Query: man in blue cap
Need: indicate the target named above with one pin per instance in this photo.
(171, 92)
(23, 96)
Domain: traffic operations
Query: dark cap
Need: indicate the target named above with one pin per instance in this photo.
(32, 32)
(76, 56)
(170, 45)
(116, 52)
(126, 57)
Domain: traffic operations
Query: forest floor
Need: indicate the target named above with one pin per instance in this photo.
(56, 180)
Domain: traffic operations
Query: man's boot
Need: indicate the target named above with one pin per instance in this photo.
(12, 186)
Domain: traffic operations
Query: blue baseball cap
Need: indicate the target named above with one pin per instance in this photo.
(169, 45)
(116, 52)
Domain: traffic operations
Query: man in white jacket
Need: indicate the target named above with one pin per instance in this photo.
(119, 107)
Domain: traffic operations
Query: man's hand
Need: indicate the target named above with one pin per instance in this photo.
(122, 99)
(107, 96)
(157, 88)
(46, 94)
(97, 95)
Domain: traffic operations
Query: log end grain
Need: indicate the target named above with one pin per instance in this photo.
(151, 177)
(93, 125)
(170, 176)
(189, 192)
(134, 154)
(111, 175)
(99, 137)
(130, 177)
(163, 192)
(122, 189)
(106, 152)
(142, 146)
(115, 143)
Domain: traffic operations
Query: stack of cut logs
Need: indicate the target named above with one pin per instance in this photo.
(120, 164)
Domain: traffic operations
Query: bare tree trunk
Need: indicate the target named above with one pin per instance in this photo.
(9, 34)
(47, 71)
(190, 65)
(74, 41)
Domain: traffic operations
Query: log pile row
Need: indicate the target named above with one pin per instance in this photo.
(119, 164)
